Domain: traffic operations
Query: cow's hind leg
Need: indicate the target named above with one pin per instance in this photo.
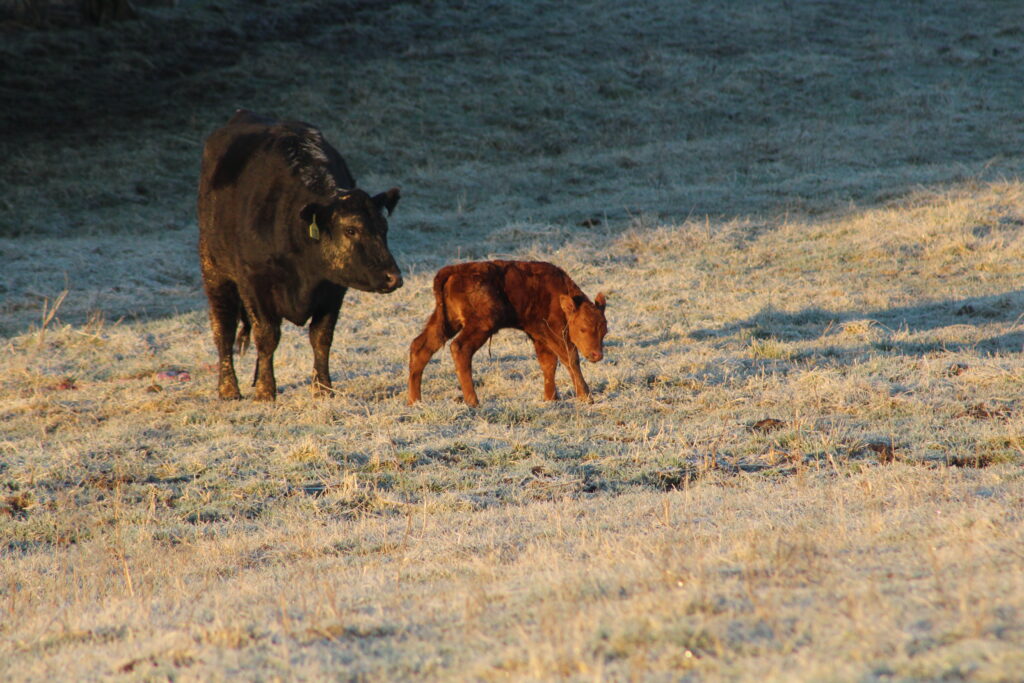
(224, 310)
(422, 349)
(463, 347)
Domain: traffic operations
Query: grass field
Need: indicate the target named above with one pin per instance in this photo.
(803, 461)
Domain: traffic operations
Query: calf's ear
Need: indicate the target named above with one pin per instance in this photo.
(600, 301)
(568, 304)
(387, 200)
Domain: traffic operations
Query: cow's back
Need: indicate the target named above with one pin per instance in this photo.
(251, 142)
(257, 174)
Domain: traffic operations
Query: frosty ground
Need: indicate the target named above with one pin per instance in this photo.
(810, 215)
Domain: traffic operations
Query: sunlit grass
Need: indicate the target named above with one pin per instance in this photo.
(803, 457)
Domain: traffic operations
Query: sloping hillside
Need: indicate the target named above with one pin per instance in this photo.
(803, 460)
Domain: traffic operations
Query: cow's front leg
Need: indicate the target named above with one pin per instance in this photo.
(572, 362)
(548, 363)
(321, 334)
(266, 335)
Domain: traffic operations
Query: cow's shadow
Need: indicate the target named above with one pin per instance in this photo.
(815, 322)
(893, 331)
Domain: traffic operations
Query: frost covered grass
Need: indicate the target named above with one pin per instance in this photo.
(803, 460)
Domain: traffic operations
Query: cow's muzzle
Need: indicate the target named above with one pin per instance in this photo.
(392, 281)
(595, 356)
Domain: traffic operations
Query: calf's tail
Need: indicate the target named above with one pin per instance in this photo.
(440, 314)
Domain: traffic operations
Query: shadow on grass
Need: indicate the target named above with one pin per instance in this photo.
(125, 74)
(814, 322)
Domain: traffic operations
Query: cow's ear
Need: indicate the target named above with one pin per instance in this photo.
(387, 200)
(314, 216)
(568, 304)
(309, 211)
(600, 301)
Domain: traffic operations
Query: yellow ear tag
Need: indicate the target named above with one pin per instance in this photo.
(314, 229)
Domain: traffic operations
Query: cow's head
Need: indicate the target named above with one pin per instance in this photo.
(351, 235)
(587, 324)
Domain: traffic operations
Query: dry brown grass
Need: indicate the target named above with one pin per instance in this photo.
(804, 457)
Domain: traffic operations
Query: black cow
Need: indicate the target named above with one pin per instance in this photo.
(283, 232)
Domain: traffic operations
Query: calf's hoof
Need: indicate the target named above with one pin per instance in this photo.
(265, 396)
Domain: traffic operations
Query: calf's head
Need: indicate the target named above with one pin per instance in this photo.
(351, 235)
(587, 324)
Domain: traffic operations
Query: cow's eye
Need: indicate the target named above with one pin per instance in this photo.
(351, 232)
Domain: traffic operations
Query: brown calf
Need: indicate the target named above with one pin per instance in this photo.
(475, 300)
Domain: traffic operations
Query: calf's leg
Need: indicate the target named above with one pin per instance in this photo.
(224, 310)
(463, 348)
(573, 364)
(548, 362)
(421, 350)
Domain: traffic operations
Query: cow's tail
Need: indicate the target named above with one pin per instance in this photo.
(242, 340)
(244, 335)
